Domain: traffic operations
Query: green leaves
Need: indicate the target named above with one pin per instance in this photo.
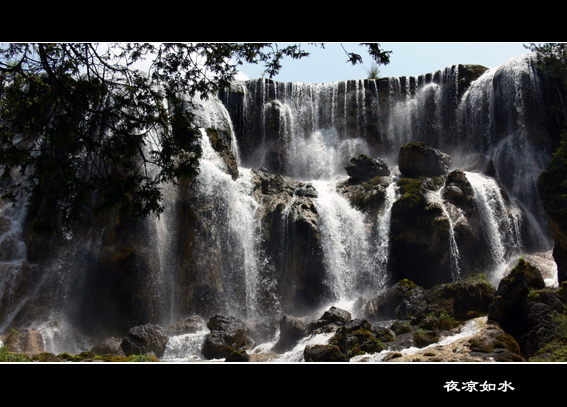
(83, 131)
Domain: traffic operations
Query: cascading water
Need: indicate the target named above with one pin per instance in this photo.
(346, 247)
(382, 241)
(309, 132)
(232, 212)
(501, 117)
(454, 249)
(501, 223)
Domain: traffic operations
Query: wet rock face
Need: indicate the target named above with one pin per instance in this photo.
(419, 160)
(225, 331)
(27, 341)
(144, 339)
(509, 307)
(552, 187)
(419, 235)
(288, 220)
(364, 168)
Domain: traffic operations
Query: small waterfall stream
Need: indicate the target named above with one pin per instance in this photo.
(501, 223)
(346, 245)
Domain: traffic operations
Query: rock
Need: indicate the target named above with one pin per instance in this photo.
(364, 168)
(459, 191)
(292, 330)
(489, 344)
(543, 309)
(394, 302)
(368, 196)
(224, 151)
(458, 300)
(335, 316)
(145, 339)
(109, 346)
(324, 353)
(419, 160)
(495, 344)
(288, 214)
(352, 339)
(26, 341)
(419, 226)
(508, 305)
(552, 187)
(225, 331)
(233, 355)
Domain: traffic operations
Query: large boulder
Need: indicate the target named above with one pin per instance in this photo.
(416, 159)
(109, 346)
(291, 240)
(351, 339)
(224, 332)
(364, 168)
(508, 307)
(420, 234)
(145, 339)
(292, 330)
(394, 302)
(27, 341)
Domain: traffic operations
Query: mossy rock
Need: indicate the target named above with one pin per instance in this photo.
(234, 355)
(46, 357)
(416, 159)
(324, 353)
(425, 337)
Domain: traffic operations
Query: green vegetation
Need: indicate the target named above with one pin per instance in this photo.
(552, 185)
(80, 121)
(6, 356)
(555, 350)
(441, 321)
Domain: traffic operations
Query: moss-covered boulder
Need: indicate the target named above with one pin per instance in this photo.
(459, 300)
(324, 353)
(224, 331)
(496, 344)
(352, 339)
(364, 168)
(420, 248)
(508, 307)
(27, 341)
(417, 159)
(394, 302)
(234, 355)
(291, 241)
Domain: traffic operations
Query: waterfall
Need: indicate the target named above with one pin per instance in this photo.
(209, 250)
(501, 223)
(382, 241)
(232, 213)
(345, 242)
(12, 252)
(435, 197)
(501, 116)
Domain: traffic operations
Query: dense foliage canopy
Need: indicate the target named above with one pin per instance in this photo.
(83, 131)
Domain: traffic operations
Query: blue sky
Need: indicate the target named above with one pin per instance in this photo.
(407, 59)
